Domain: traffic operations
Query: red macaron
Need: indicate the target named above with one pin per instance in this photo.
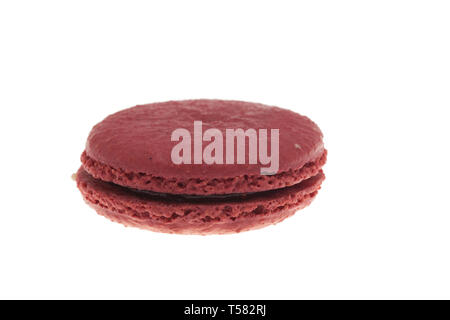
(201, 166)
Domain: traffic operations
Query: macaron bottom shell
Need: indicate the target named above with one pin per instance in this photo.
(170, 213)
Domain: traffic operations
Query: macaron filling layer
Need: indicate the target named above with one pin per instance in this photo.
(201, 186)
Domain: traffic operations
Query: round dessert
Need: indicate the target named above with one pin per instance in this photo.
(201, 166)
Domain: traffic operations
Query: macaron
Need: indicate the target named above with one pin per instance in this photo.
(202, 166)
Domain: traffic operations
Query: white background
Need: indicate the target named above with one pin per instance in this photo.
(374, 75)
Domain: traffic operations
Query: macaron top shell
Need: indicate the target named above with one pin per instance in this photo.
(138, 139)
